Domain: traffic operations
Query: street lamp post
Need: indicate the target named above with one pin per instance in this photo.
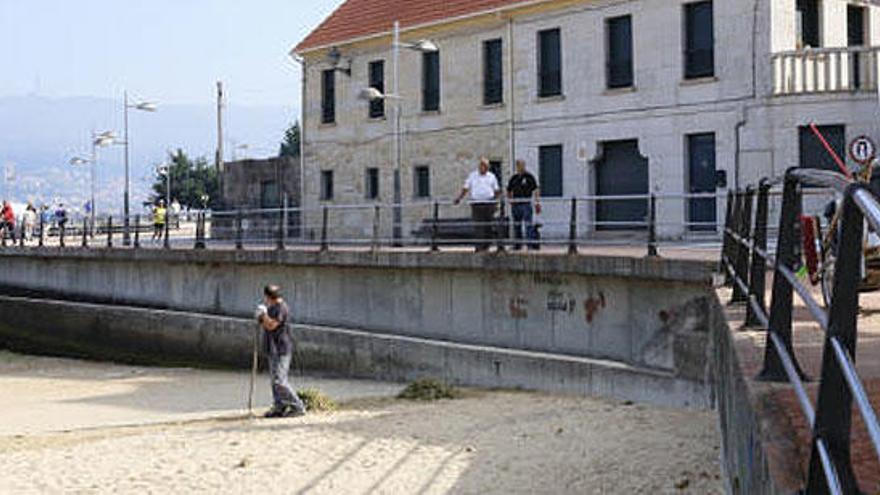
(423, 46)
(103, 139)
(144, 106)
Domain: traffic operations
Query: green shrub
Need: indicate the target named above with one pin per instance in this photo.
(315, 400)
(428, 389)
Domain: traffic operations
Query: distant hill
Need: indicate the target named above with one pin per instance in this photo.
(39, 135)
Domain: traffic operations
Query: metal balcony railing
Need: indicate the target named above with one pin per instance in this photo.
(745, 259)
(825, 70)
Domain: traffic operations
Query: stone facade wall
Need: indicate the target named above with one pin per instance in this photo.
(244, 184)
(756, 133)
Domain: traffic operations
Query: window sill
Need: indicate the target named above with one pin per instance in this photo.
(376, 120)
(492, 106)
(697, 81)
(620, 91)
(431, 113)
(327, 125)
(550, 99)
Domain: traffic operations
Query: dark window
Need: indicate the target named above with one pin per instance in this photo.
(493, 73)
(813, 153)
(549, 63)
(495, 168)
(328, 97)
(620, 52)
(808, 23)
(422, 182)
(550, 170)
(377, 80)
(699, 51)
(372, 183)
(269, 195)
(326, 185)
(431, 81)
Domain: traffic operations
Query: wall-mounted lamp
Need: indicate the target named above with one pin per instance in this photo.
(335, 58)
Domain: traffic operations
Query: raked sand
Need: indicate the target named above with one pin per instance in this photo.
(77, 427)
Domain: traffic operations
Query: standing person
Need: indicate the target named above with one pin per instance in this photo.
(175, 213)
(279, 348)
(484, 192)
(7, 220)
(29, 220)
(159, 217)
(61, 216)
(521, 188)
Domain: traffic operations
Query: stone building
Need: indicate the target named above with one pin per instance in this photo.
(600, 97)
(256, 190)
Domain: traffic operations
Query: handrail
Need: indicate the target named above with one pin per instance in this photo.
(830, 467)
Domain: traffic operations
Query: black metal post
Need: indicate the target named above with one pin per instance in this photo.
(61, 234)
(652, 227)
(200, 231)
(729, 250)
(435, 227)
(741, 262)
(85, 233)
(572, 228)
(137, 231)
(783, 297)
(834, 403)
(21, 235)
(758, 270)
(501, 237)
(280, 242)
(377, 216)
(324, 218)
(166, 244)
(110, 232)
(239, 231)
(42, 226)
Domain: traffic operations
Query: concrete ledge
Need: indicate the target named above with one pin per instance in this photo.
(178, 338)
(661, 269)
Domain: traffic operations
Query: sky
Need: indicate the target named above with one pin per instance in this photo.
(173, 51)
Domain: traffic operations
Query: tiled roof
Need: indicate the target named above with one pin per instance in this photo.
(360, 18)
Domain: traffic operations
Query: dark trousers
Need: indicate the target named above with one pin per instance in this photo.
(483, 215)
(283, 394)
(522, 220)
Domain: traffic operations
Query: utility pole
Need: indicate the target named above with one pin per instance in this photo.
(219, 157)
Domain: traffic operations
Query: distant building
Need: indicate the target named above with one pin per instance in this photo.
(601, 98)
(258, 189)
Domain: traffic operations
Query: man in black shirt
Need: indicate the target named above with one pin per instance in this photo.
(520, 190)
(279, 349)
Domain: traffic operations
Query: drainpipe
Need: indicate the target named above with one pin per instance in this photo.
(302, 144)
(511, 103)
(743, 120)
(736, 159)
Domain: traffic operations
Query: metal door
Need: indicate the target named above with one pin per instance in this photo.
(703, 212)
(622, 171)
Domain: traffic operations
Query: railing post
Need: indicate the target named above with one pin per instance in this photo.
(166, 242)
(572, 228)
(377, 216)
(435, 227)
(21, 235)
(783, 297)
(758, 269)
(85, 233)
(137, 231)
(61, 234)
(834, 404)
(501, 237)
(280, 241)
(324, 217)
(200, 231)
(741, 262)
(652, 227)
(110, 232)
(239, 230)
(732, 229)
(42, 226)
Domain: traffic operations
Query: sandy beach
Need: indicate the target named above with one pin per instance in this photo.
(148, 435)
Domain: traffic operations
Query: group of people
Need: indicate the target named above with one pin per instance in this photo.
(23, 224)
(484, 191)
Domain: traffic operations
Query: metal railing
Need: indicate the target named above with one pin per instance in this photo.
(824, 70)
(745, 260)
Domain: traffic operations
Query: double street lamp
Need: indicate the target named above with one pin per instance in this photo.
(372, 94)
(144, 106)
(98, 140)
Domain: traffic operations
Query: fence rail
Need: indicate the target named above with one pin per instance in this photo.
(745, 260)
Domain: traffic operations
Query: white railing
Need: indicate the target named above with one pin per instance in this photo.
(825, 70)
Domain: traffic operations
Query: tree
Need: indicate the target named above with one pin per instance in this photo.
(290, 145)
(190, 181)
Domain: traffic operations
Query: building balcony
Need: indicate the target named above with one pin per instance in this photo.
(825, 70)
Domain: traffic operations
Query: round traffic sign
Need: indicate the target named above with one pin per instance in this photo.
(862, 150)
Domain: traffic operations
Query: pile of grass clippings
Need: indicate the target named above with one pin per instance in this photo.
(428, 389)
(316, 401)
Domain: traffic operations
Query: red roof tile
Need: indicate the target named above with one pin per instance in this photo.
(360, 18)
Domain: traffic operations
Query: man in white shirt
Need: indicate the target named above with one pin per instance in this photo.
(484, 192)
